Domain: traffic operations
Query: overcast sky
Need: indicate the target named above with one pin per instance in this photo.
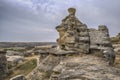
(35, 20)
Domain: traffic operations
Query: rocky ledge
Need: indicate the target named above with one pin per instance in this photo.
(75, 67)
(73, 59)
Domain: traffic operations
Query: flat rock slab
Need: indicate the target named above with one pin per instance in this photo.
(61, 52)
(75, 67)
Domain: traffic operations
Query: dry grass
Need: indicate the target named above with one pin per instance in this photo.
(23, 68)
(117, 61)
(116, 39)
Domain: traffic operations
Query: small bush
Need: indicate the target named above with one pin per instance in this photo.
(115, 39)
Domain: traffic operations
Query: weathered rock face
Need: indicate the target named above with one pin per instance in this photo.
(99, 39)
(73, 34)
(45, 68)
(3, 65)
(64, 63)
(85, 67)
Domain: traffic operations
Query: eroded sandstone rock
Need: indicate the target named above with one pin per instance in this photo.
(99, 39)
(74, 38)
(73, 34)
(3, 65)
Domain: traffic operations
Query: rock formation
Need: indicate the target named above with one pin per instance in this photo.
(72, 67)
(99, 39)
(3, 65)
(64, 62)
(73, 34)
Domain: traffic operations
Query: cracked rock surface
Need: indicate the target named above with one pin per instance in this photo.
(75, 67)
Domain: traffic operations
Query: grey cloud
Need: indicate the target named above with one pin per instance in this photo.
(18, 24)
(101, 12)
(22, 22)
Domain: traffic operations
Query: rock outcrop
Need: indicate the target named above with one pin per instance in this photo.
(68, 61)
(74, 67)
(99, 39)
(84, 68)
(73, 34)
(3, 65)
